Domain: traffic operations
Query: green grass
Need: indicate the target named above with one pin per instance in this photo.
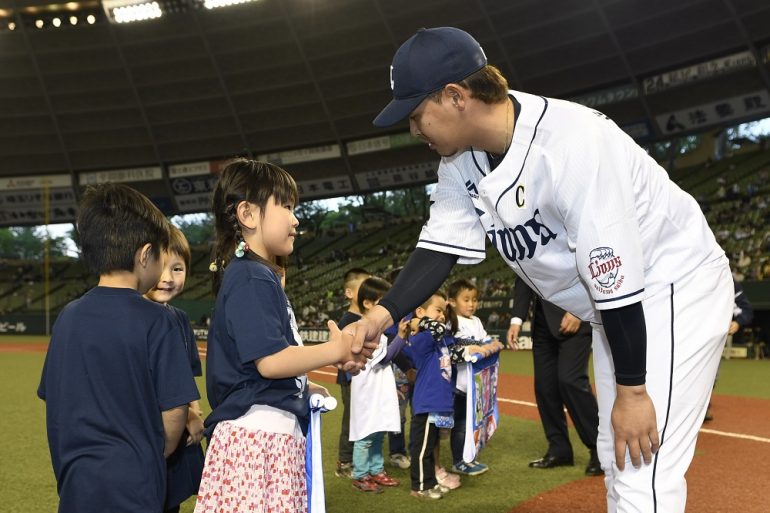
(27, 482)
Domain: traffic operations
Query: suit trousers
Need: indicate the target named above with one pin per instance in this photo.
(561, 379)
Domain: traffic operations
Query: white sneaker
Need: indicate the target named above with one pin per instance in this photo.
(401, 461)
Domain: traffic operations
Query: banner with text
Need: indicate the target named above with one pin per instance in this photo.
(753, 104)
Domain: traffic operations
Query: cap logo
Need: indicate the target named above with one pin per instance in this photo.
(392, 82)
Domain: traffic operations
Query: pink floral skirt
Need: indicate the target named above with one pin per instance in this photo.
(253, 471)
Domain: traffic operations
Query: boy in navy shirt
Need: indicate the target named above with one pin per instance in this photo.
(116, 380)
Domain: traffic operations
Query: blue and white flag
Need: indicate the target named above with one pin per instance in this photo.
(316, 498)
(482, 416)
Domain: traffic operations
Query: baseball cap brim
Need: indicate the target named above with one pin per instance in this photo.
(397, 110)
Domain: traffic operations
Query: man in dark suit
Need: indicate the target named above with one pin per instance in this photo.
(561, 345)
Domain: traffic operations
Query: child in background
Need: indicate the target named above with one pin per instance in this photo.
(116, 379)
(185, 465)
(405, 374)
(463, 302)
(352, 281)
(374, 404)
(434, 353)
(256, 364)
(433, 395)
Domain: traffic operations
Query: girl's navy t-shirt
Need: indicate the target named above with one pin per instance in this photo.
(250, 321)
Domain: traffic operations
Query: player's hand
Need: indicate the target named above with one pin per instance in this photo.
(734, 327)
(349, 360)
(635, 426)
(368, 330)
(569, 324)
(513, 336)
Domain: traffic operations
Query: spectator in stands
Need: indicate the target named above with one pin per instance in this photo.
(493, 320)
(116, 379)
(185, 465)
(351, 282)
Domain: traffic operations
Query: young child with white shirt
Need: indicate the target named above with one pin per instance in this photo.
(463, 299)
(373, 403)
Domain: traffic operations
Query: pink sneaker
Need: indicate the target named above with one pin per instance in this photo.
(446, 479)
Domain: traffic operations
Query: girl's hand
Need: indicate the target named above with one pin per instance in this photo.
(403, 329)
(314, 388)
(194, 426)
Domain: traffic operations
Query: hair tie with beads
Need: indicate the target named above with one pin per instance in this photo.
(241, 248)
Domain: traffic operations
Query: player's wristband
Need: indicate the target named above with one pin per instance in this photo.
(421, 276)
(626, 332)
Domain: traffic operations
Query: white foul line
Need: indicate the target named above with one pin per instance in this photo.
(735, 435)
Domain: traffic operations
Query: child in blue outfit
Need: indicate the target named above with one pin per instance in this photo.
(116, 380)
(433, 351)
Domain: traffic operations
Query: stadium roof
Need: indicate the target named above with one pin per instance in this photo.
(299, 82)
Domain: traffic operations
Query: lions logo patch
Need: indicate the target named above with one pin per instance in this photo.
(605, 270)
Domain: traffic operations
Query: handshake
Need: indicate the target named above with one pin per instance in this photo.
(355, 344)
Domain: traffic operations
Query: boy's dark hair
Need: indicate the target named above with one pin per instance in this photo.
(459, 285)
(453, 291)
(255, 182)
(372, 289)
(178, 244)
(356, 273)
(114, 222)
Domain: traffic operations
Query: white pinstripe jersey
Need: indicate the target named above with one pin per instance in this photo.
(576, 208)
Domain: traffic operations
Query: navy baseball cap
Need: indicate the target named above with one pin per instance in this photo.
(426, 62)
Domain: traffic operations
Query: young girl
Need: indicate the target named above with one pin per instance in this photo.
(374, 404)
(463, 298)
(185, 465)
(256, 364)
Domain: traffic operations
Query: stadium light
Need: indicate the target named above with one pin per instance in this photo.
(39, 23)
(91, 19)
(214, 4)
(127, 11)
(73, 20)
(56, 22)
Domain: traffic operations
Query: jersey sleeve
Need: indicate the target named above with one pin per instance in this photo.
(593, 185)
(169, 364)
(256, 312)
(453, 226)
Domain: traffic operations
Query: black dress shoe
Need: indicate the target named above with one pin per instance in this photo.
(594, 468)
(549, 461)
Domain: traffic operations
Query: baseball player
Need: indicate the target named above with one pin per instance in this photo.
(592, 224)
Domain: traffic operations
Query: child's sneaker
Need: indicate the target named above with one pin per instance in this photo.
(367, 484)
(433, 493)
(447, 480)
(344, 470)
(473, 468)
(384, 479)
(400, 460)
